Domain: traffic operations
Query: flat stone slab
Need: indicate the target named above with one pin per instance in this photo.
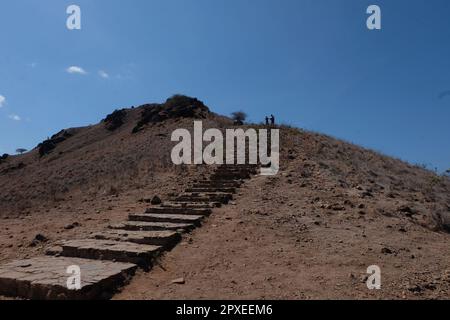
(214, 196)
(152, 226)
(216, 185)
(199, 205)
(197, 199)
(208, 194)
(139, 254)
(229, 177)
(172, 218)
(234, 182)
(179, 210)
(45, 278)
(211, 190)
(233, 171)
(166, 239)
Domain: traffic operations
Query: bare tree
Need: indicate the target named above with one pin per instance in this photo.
(21, 150)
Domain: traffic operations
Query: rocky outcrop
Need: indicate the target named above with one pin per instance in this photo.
(3, 158)
(178, 106)
(48, 145)
(115, 120)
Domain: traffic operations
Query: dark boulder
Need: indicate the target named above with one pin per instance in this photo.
(156, 200)
(178, 106)
(38, 239)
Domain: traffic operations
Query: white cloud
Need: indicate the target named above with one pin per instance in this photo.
(14, 117)
(2, 101)
(103, 74)
(76, 70)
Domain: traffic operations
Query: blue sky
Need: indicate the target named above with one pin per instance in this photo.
(313, 63)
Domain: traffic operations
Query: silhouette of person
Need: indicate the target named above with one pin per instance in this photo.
(267, 120)
(272, 119)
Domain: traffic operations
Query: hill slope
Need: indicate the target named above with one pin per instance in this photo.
(333, 210)
(123, 152)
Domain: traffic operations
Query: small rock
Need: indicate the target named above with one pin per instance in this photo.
(407, 211)
(386, 251)
(415, 288)
(336, 207)
(72, 226)
(156, 200)
(366, 194)
(178, 281)
(41, 238)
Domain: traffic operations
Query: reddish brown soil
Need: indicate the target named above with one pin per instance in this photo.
(289, 249)
(308, 233)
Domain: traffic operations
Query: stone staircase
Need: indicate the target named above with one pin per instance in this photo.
(109, 259)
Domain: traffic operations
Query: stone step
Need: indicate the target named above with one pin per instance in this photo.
(238, 166)
(234, 170)
(229, 177)
(153, 226)
(213, 185)
(199, 198)
(139, 254)
(193, 199)
(214, 196)
(230, 183)
(211, 190)
(165, 239)
(171, 218)
(45, 278)
(200, 205)
(231, 172)
(179, 210)
(225, 183)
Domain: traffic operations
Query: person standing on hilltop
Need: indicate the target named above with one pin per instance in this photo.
(267, 120)
(272, 119)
